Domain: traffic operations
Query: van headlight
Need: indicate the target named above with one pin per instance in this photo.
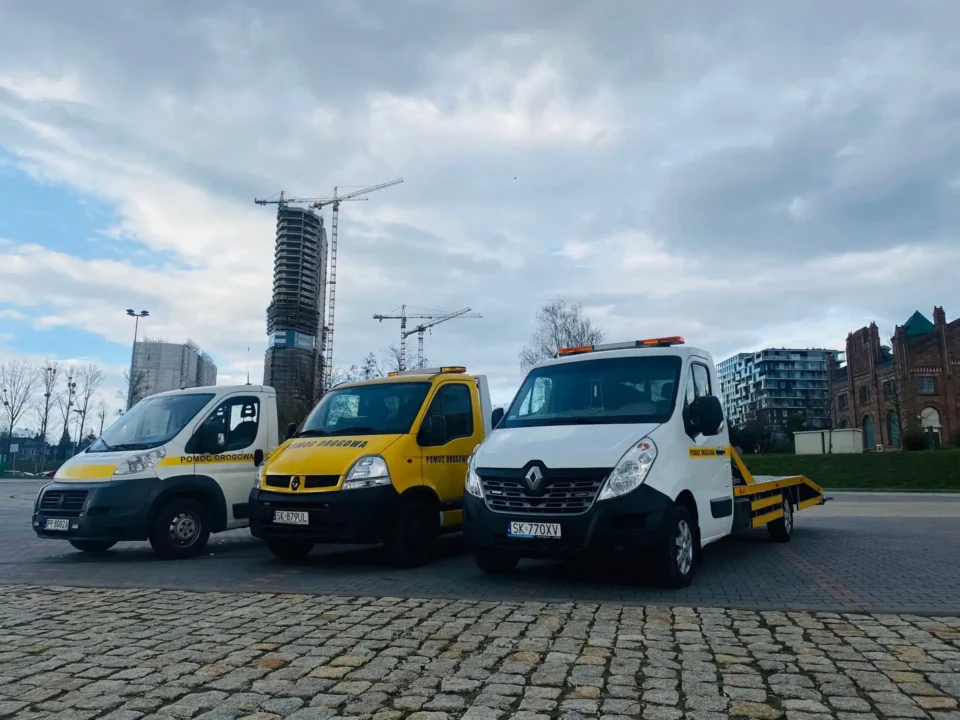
(631, 471)
(368, 471)
(258, 483)
(473, 480)
(141, 461)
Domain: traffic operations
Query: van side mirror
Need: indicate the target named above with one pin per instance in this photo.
(433, 431)
(291, 431)
(257, 457)
(496, 417)
(707, 415)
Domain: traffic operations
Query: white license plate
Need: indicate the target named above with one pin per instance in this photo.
(533, 530)
(290, 517)
(57, 524)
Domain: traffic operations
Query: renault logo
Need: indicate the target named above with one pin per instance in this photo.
(533, 477)
(294, 483)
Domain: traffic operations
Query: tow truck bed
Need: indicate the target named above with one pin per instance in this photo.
(759, 500)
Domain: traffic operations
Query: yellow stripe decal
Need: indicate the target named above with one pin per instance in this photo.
(86, 472)
(771, 501)
(810, 503)
(769, 517)
(174, 460)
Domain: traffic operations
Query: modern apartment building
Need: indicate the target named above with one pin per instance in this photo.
(160, 366)
(293, 362)
(769, 386)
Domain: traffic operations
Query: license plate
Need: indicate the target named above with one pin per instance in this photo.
(57, 524)
(290, 517)
(533, 530)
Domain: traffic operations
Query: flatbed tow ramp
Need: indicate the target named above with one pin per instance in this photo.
(769, 500)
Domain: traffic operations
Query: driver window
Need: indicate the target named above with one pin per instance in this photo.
(238, 419)
(454, 404)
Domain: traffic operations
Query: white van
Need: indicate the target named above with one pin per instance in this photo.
(173, 469)
(618, 448)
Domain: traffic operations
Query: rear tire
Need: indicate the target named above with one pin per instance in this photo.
(678, 548)
(180, 529)
(411, 539)
(290, 549)
(495, 563)
(782, 530)
(93, 546)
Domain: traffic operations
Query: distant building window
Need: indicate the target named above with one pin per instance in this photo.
(844, 424)
(890, 389)
(864, 394)
(926, 386)
(843, 401)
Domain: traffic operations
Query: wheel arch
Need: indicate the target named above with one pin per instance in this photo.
(200, 487)
(687, 501)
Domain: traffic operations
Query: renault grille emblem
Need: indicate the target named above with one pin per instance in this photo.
(294, 483)
(533, 477)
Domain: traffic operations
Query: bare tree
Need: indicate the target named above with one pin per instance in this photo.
(101, 415)
(18, 383)
(393, 360)
(65, 399)
(895, 394)
(139, 387)
(371, 368)
(49, 377)
(341, 374)
(559, 324)
(89, 379)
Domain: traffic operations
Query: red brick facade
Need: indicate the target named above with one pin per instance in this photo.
(917, 377)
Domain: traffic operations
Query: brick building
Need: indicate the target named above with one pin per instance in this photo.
(911, 384)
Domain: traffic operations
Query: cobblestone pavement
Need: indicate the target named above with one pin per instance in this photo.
(168, 655)
(873, 552)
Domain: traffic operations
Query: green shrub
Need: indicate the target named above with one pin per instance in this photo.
(914, 440)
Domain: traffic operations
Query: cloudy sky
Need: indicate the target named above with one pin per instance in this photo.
(745, 173)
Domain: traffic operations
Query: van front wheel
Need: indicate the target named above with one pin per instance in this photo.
(180, 529)
(411, 539)
(679, 548)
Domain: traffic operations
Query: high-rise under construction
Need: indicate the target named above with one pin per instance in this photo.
(293, 363)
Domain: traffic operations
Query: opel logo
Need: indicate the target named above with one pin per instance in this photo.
(533, 478)
(294, 483)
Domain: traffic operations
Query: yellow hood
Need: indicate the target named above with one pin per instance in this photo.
(324, 455)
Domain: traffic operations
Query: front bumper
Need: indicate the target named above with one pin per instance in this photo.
(633, 522)
(105, 511)
(342, 516)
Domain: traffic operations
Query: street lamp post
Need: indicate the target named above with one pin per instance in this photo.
(133, 352)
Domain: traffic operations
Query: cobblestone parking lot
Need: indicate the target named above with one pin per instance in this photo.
(130, 654)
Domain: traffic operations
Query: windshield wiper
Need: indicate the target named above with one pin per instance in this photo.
(105, 446)
(568, 420)
(358, 430)
(131, 446)
(313, 433)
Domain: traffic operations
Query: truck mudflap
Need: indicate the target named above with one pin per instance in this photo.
(758, 500)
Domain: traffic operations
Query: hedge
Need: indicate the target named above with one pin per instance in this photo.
(928, 470)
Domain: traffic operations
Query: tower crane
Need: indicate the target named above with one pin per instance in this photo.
(318, 204)
(436, 317)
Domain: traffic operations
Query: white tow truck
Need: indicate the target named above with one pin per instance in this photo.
(619, 448)
(174, 468)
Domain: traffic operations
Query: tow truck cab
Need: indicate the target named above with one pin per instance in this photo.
(617, 448)
(380, 460)
(174, 468)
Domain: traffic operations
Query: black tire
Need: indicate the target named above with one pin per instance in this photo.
(782, 530)
(180, 529)
(290, 549)
(411, 539)
(495, 563)
(93, 546)
(678, 558)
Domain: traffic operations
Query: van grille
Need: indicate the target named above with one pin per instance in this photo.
(563, 495)
(68, 503)
(309, 481)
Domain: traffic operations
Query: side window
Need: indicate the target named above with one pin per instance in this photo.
(701, 378)
(453, 403)
(237, 419)
(691, 390)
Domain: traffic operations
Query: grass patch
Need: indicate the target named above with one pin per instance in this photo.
(929, 470)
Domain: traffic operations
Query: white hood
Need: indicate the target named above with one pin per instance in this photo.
(560, 446)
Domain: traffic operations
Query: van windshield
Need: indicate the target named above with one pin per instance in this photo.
(152, 422)
(375, 409)
(609, 390)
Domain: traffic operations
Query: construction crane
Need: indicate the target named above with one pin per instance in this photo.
(318, 204)
(437, 318)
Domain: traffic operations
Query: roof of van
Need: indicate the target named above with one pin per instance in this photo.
(406, 377)
(682, 351)
(219, 389)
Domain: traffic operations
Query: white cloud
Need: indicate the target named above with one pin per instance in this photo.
(33, 87)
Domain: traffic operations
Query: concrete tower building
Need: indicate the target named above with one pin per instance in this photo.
(295, 316)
